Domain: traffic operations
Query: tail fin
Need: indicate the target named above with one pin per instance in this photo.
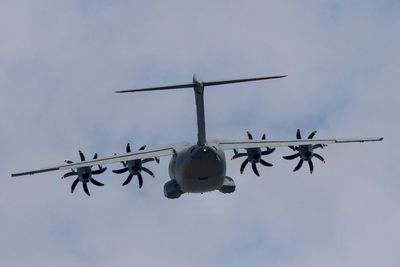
(198, 86)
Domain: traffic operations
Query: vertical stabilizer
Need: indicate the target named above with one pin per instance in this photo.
(199, 95)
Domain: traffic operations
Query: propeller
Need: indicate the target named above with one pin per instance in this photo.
(84, 174)
(135, 167)
(254, 156)
(305, 152)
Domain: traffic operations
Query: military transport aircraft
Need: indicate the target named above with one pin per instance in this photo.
(196, 167)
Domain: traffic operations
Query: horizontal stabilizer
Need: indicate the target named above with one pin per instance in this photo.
(178, 86)
(191, 85)
(242, 80)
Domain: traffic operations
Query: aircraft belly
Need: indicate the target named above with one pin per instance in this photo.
(202, 172)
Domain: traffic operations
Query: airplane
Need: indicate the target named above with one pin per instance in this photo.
(196, 167)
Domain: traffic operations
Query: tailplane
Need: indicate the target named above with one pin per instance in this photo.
(193, 84)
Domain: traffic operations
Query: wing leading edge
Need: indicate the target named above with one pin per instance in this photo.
(243, 144)
(223, 144)
(167, 151)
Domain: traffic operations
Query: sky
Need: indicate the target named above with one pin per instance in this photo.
(61, 61)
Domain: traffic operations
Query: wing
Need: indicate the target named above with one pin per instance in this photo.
(227, 145)
(108, 160)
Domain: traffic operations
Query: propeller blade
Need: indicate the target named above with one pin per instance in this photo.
(74, 184)
(157, 159)
(148, 160)
(142, 148)
(249, 135)
(121, 170)
(239, 155)
(69, 174)
(298, 165)
(294, 148)
(99, 171)
(263, 137)
(96, 182)
(254, 167)
(311, 136)
(318, 146)
(128, 148)
(235, 151)
(81, 155)
(318, 156)
(148, 171)
(267, 164)
(95, 156)
(298, 134)
(243, 165)
(128, 180)
(140, 179)
(311, 165)
(291, 156)
(268, 151)
(85, 188)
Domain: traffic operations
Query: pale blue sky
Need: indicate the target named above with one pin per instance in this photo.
(61, 61)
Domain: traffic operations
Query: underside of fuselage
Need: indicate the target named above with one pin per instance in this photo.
(198, 169)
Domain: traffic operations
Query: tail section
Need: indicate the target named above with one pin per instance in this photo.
(198, 86)
(196, 78)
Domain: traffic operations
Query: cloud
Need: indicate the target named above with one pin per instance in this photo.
(61, 62)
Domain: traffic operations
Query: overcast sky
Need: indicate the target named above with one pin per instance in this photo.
(61, 61)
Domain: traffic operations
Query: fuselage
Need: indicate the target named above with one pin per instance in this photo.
(198, 169)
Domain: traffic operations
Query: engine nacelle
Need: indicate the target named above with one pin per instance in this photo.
(172, 189)
(305, 152)
(228, 186)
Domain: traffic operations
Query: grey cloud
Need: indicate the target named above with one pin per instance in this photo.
(61, 62)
